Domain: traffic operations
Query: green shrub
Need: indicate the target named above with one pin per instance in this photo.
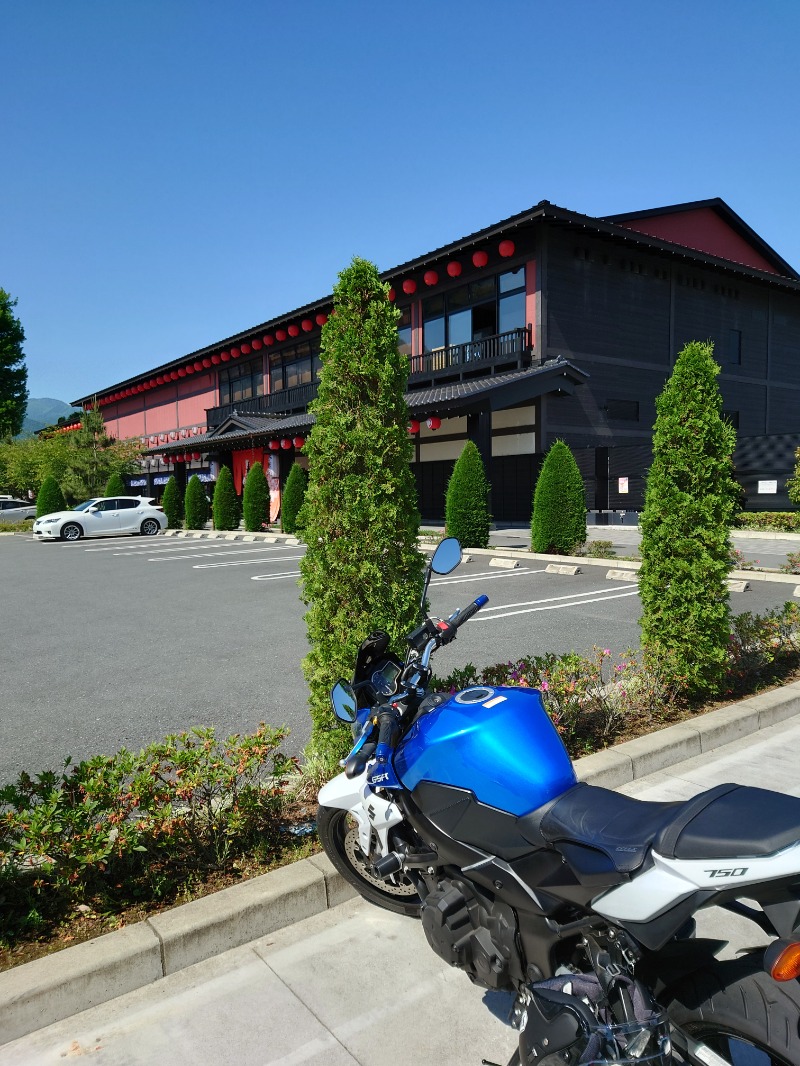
(196, 504)
(225, 507)
(792, 564)
(558, 522)
(50, 498)
(115, 486)
(600, 549)
(780, 521)
(690, 502)
(172, 503)
(362, 570)
(292, 497)
(255, 499)
(467, 515)
(793, 484)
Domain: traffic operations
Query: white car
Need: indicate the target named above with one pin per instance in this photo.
(102, 517)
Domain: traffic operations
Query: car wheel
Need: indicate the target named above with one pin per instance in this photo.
(71, 531)
(149, 528)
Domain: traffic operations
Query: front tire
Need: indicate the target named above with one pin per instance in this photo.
(71, 531)
(740, 1013)
(338, 832)
(150, 527)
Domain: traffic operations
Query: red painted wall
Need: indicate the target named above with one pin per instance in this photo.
(703, 230)
(175, 406)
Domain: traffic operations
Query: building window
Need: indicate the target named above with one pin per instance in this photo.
(483, 308)
(622, 410)
(404, 331)
(298, 365)
(732, 418)
(241, 382)
(732, 347)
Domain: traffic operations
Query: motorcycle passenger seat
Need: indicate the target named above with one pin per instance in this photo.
(731, 822)
(620, 827)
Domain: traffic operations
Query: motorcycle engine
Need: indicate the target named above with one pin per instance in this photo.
(474, 933)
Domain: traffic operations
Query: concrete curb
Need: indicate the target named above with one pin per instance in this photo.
(47, 990)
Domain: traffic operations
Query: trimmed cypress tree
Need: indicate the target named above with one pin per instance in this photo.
(195, 504)
(362, 570)
(225, 506)
(558, 522)
(172, 503)
(467, 500)
(793, 484)
(690, 502)
(50, 497)
(115, 486)
(255, 499)
(292, 497)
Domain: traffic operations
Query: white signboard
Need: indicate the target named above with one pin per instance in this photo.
(623, 485)
(767, 488)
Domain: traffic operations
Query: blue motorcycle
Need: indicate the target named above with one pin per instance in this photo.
(464, 810)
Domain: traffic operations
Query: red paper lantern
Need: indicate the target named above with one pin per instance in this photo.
(391, 294)
(280, 334)
(506, 249)
(216, 359)
(321, 318)
(430, 277)
(195, 455)
(190, 368)
(409, 286)
(174, 375)
(182, 372)
(413, 426)
(433, 422)
(225, 356)
(307, 325)
(269, 340)
(246, 349)
(294, 331)
(299, 442)
(286, 444)
(206, 363)
(154, 382)
(198, 365)
(159, 381)
(235, 353)
(273, 445)
(454, 269)
(480, 259)
(256, 344)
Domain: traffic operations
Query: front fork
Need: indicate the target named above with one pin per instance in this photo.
(374, 813)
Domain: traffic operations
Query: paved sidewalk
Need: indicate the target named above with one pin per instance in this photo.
(352, 985)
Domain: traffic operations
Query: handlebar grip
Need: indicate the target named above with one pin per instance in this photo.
(469, 611)
(387, 733)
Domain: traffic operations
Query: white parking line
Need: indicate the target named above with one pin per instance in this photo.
(486, 575)
(274, 577)
(239, 562)
(215, 554)
(554, 605)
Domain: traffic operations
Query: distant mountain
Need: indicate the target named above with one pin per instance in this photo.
(44, 412)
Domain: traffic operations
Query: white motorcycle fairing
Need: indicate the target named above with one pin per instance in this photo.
(372, 812)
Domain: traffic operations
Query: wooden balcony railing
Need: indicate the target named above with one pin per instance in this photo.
(504, 350)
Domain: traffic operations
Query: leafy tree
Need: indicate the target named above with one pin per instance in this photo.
(690, 502)
(13, 372)
(467, 501)
(172, 503)
(558, 522)
(362, 570)
(255, 499)
(294, 492)
(793, 484)
(196, 504)
(226, 505)
(115, 486)
(50, 498)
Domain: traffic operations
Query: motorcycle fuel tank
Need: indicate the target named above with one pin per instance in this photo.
(498, 743)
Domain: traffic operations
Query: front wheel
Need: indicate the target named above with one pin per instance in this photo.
(338, 831)
(71, 531)
(739, 1014)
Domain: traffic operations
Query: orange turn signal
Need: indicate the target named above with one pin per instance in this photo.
(782, 960)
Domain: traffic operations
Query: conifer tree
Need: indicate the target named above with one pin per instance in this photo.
(195, 504)
(690, 502)
(13, 372)
(362, 570)
(172, 503)
(793, 484)
(225, 506)
(558, 522)
(467, 515)
(115, 486)
(255, 499)
(50, 498)
(292, 497)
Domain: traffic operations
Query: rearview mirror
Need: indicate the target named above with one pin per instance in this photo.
(343, 699)
(447, 556)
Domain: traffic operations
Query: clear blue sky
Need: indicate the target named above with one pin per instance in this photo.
(174, 171)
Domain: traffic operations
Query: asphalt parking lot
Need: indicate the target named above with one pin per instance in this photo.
(116, 642)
